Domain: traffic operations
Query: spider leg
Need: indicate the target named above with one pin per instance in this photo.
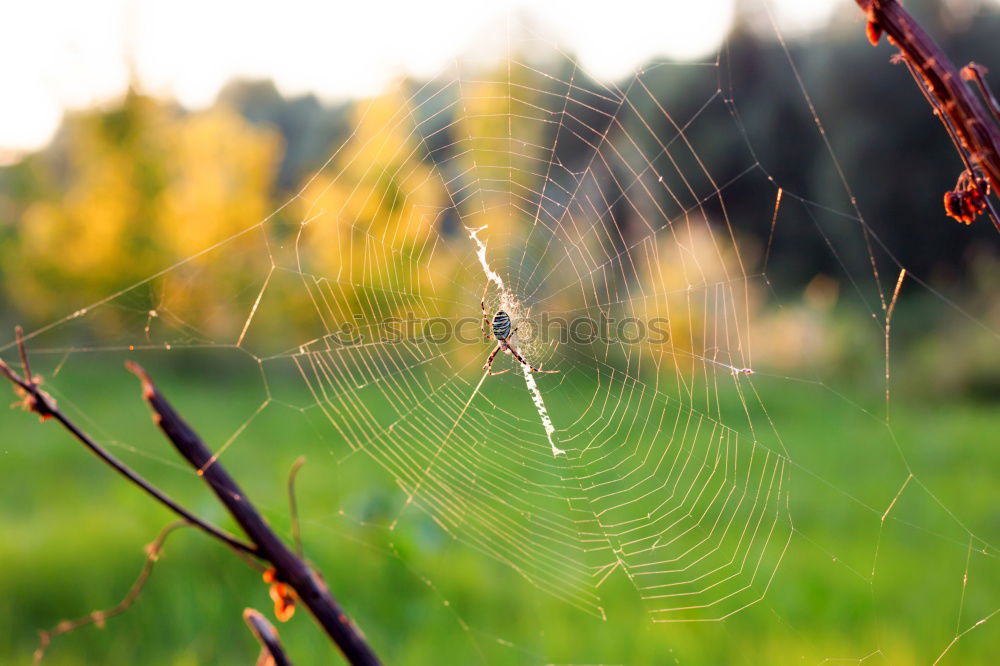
(530, 367)
(489, 361)
(486, 319)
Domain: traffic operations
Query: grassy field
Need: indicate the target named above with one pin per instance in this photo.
(879, 521)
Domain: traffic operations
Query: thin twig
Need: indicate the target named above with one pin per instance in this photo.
(938, 111)
(976, 73)
(271, 652)
(293, 505)
(289, 568)
(888, 330)
(25, 366)
(41, 403)
(99, 617)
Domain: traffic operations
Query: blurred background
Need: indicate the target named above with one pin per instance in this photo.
(207, 188)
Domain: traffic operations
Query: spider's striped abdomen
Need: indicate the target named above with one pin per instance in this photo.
(501, 326)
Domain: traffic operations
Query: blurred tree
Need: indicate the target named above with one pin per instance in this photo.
(369, 217)
(219, 171)
(85, 220)
(309, 128)
(126, 192)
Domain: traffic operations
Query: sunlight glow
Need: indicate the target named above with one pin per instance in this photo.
(73, 55)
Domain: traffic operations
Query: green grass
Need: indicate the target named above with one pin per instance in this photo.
(74, 536)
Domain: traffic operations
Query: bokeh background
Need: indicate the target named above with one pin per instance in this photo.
(170, 177)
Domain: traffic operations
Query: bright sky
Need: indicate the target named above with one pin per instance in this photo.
(60, 54)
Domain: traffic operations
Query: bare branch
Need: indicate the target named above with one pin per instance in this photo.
(271, 652)
(40, 402)
(978, 136)
(289, 568)
(99, 617)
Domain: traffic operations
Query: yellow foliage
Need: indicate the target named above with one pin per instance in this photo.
(131, 191)
(692, 277)
(219, 170)
(370, 218)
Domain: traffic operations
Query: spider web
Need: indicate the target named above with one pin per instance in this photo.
(650, 461)
(549, 178)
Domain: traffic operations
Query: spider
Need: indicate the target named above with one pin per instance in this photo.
(502, 333)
